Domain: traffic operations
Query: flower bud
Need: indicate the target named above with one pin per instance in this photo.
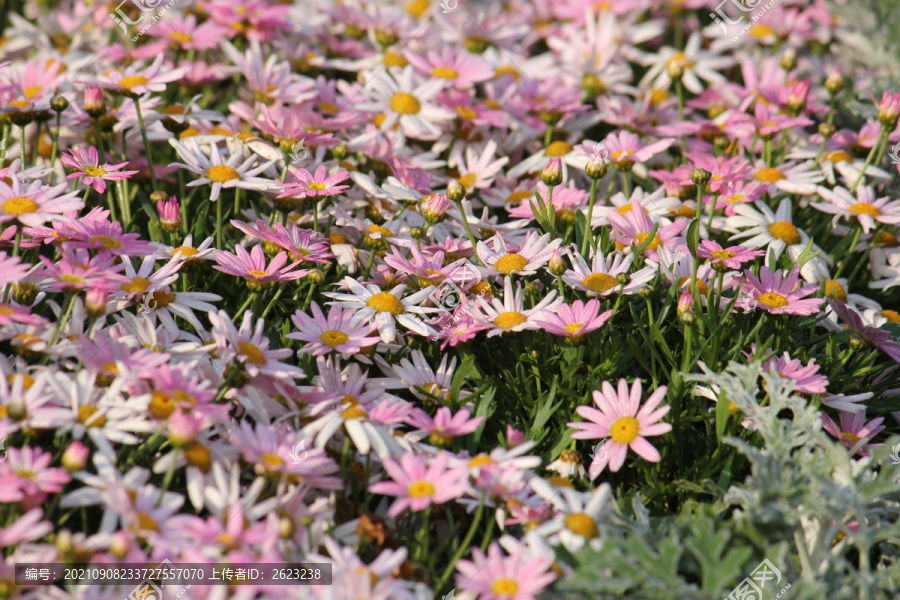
(455, 191)
(623, 278)
(16, 410)
(889, 110)
(25, 292)
(685, 307)
(596, 168)
(514, 437)
(316, 276)
(556, 264)
(341, 151)
(552, 174)
(676, 70)
(826, 130)
(797, 97)
(120, 544)
(169, 211)
(63, 542)
(94, 104)
(95, 302)
(75, 456)
(646, 292)
(700, 176)
(433, 208)
(532, 287)
(59, 103)
(835, 83)
(416, 233)
(788, 60)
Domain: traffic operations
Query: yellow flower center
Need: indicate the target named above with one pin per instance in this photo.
(180, 36)
(316, 185)
(864, 208)
(723, 254)
(769, 175)
(71, 278)
(468, 180)
(130, 82)
(599, 282)
(658, 96)
(162, 299)
(837, 156)
(482, 460)
(518, 196)
(257, 273)
(759, 30)
(773, 300)
(850, 436)
(835, 290)
(392, 59)
(701, 285)
(558, 148)
(86, 416)
(161, 405)
(386, 302)
(421, 489)
(504, 587)
(582, 524)
(185, 250)
(465, 112)
(252, 352)
(573, 328)
(508, 263)
(653, 245)
(375, 229)
(354, 412)
(94, 171)
(417, 8)
(333, 338)
(32, 91)
(221, 174)
(110, 243)
(444, 72)
(786, 232)
(272, 461)
(135, 286)
(506, 70)
(680, 59)
(624, 430)
(508, 320)
(405, 104)
(147, 523)
(197, 455)
(891, 315)
(624, 209)
(19, 206)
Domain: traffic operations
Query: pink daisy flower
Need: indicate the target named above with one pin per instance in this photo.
(252, 267)
(870, 335)
(854, 429)
(12, 270)
(778, 295)
(138, 80)
(575, 321)
(418, 484)
(455, 66)
(29, 469)
(635, 227)
(86, 163)
(864, 207)
(320, 184)
(445, 425)
(727, 258)
(34, 204)
(342, 331)
(522, 575)
(624, 422)
(807, 381)
(625, 149)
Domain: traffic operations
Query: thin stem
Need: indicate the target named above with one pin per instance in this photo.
(137, 108)
(465, 221)
(54, 150)
(844, 262)
(220, 234)
(868, 162)
(548, 135)
(463, 546)
(272, 302)
(588, 230)
(22, 141)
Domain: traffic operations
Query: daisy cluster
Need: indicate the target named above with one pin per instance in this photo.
(415, 288)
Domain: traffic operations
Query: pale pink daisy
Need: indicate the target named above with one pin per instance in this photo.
(249, 347)
(454, 66)
(310, 186)
(418, 483)
(12, 270)
(600, 277)
(864, 207)
(522, 575)
(727, 258)
(343, 331)
(445, 425)
(34, 204)
(137, 80)
(252, 267)
(624, 422)
(575, 321)
(854, 429)
(778, 293)
(510, 314)
(502, 259)
(86, 163)
(806, 379)
(625, 149)
(636, 226)
(874, 336)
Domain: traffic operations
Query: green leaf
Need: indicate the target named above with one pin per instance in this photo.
(722, 416)
(806, 254)
(648, 241)
(582, 230)
(693, 237)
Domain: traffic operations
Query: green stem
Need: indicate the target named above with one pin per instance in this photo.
(464, 545)
(167, 480)
(465, 221)
(100, 148)
(588, 230)
(548, 135)
(844, 262)
(22, 141)
(62, 322)
(247, 302)
(272, 302)
(821, 150)
(220, 232)
(869, 158)
(54, 150)
(137, 108)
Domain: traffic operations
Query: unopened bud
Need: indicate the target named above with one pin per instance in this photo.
(416, 233)
(556, 264)
(826, 130)
(63, 542)
(685, 304)
(286, 527)
(455, 191)
(434, 207)
(552, 174)
(646, 292)
(835, 83)
(532, 287)
(700, 176)
(169, 210)
(623, 278)
(316, 276)
(95, 302)
(59, 103)
(385, 38)
(341, 151)
(797, 97)
(788, 60)
(120, 544)
(856, 341)
(94, 104)
(889, 110)
(16, 410)
(25, 292)
(75, 456)
(676, 70)
(596, 169)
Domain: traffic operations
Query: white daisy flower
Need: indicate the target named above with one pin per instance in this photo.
(403, 102)
(789, 177)
(695, 63)
(599, 278)
(388, 308)
(510, 314)
(575, 523)
(527, 260)
(220, 173)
